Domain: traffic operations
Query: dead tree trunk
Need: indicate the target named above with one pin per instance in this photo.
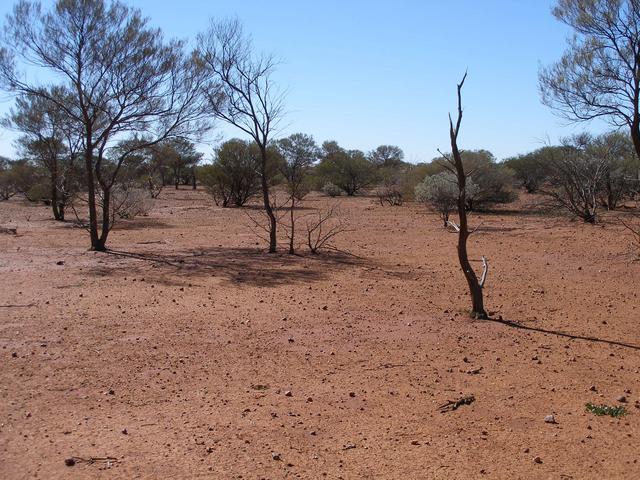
(475, 285)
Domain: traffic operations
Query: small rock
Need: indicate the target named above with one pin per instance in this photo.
(537, 460)
(593, 388)
(309, 399)
(349, 446)
(14, 355)
(288, 393)
(415, 442)
(622, 399)
(124, 431)
(352, 394)
(550, 419)
(275, 456)
(60, 262)
(69, 462)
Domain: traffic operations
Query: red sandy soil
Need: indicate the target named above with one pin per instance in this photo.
(176, 364)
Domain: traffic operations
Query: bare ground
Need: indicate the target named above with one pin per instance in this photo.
(171, 356)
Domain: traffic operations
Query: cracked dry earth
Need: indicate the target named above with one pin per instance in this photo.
(189, 353)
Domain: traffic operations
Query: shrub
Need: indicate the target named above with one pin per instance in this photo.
(129, 201)
(576, 178)
(493, 181)
(601, 410)
(233, 178)
(440, 191)
(331, 190)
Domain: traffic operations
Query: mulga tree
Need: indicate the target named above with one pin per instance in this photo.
(124, 79)
(234, 176)
(576, 177)
(298, 152)
(50, 140)
(598, 76)
(350, 170)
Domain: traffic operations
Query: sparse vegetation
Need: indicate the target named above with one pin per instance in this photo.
(289, 307)
(602, 410)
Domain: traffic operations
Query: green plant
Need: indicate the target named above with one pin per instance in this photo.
(601, 410)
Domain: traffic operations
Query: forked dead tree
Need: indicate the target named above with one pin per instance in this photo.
(453, 163)
(323, 228)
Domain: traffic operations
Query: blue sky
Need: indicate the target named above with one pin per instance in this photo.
(367, 73)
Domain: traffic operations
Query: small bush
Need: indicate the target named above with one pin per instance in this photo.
(440, 192)
(331, 189)
(602, 410)
(130, 202)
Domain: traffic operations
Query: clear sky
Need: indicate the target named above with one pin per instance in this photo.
(367, 73)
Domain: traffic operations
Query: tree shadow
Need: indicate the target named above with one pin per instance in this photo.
(238, 266)
(141, 223)
(512, 324)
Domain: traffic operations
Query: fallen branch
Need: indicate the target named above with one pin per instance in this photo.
(70, 462)
(9, 231)
(454, 225)
(452, 405)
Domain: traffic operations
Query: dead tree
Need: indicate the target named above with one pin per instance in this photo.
(453, 163)
(324, 227)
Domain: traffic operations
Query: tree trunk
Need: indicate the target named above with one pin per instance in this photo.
(91, 198)
(106, 220)
(475, 289)
(291, 247)
(57, 215)
(635, 137)
(273, 241)
(193, 178)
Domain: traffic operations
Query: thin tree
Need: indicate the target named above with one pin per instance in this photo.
(243, 94)
(599, 74)
(453, 163)
(126, 82)
(50, 140)
(299, 152)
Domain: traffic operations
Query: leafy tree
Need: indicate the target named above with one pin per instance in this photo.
(299, 152)
(51, 141)
(619, 180)
(493, 181)
(387, 156)
(7, 185)
(348, 169)
(234, 176)
(599, 74)
(121, 80)
(532, 169)
(177, 158)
